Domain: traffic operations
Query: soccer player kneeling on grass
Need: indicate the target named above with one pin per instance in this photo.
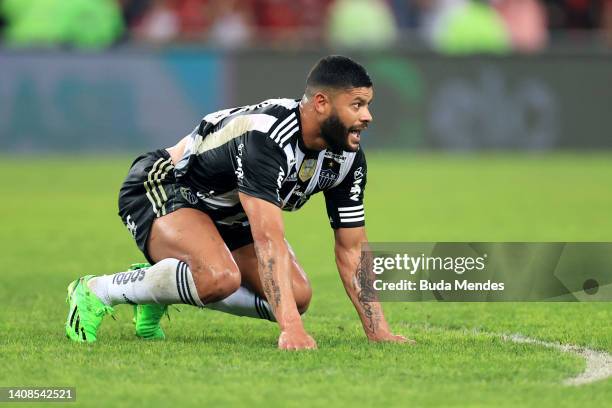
(206, 213)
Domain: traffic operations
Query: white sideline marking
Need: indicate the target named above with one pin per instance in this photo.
(598, 363)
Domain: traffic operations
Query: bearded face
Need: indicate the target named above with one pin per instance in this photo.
(348, 117)
(335, 133)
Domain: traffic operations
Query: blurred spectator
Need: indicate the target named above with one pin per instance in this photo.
(607, 22)
(466, 27)
(2, 22)
(133, 11)
(573, 14)
(160, 23)
(361, 24)
(173, 20)
(582, 14)
(194, 18)
(433, 13)
(232, 24)
(277, 20)
(49, 23)
(407, 13)
(452, 26)
(312, 16)
(526, 23)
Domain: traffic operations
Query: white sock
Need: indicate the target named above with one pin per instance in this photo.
(243, 302)
(167, 282)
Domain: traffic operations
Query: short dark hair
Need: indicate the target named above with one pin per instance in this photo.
(337, 72)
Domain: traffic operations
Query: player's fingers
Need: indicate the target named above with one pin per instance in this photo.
(312, 345)
(306, 345)
(288, 345)
(298, 346)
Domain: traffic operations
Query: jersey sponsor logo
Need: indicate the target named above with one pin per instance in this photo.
(358, 173)
(239, 171)
(327, 178)
(279, 182)
(131, 225)
(356, 188)
(188, 195)
(205, 196)
(338, 158)
(292, 176)
(281, 176)
(301, 201)
(295, 199)
(307, 169)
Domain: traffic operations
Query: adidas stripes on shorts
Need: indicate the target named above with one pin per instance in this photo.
(150, 190)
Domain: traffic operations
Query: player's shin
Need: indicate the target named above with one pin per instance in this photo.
(244, 302)
(167, 282)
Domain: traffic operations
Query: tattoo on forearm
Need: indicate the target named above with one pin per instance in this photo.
(365, 279)
(365, 292)
(271, 289)
(372, 319)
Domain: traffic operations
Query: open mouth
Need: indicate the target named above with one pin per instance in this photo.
(356, 133)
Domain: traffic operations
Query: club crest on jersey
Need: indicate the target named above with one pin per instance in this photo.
(188, 195)
(307, 169)
(327, 178)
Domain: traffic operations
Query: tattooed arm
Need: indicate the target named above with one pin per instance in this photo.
(274, 267)
(356, 274)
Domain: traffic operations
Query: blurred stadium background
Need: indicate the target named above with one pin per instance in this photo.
(117, 75)
(110, 79)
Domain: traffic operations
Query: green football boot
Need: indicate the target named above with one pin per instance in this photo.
(85, 313)
(147, 317)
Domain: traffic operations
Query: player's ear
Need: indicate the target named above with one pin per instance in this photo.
(322, 103)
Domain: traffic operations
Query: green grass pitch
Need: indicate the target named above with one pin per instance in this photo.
(59, 222)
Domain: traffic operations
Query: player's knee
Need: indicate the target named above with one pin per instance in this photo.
(227, 281)
(214, 282)
(302, 292)
(303, 302)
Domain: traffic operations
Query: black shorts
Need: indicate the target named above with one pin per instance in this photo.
(150, 190)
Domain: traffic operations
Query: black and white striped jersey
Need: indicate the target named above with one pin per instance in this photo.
(258, 150)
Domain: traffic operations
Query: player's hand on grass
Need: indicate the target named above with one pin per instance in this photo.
(296, 339)
(389, 337)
